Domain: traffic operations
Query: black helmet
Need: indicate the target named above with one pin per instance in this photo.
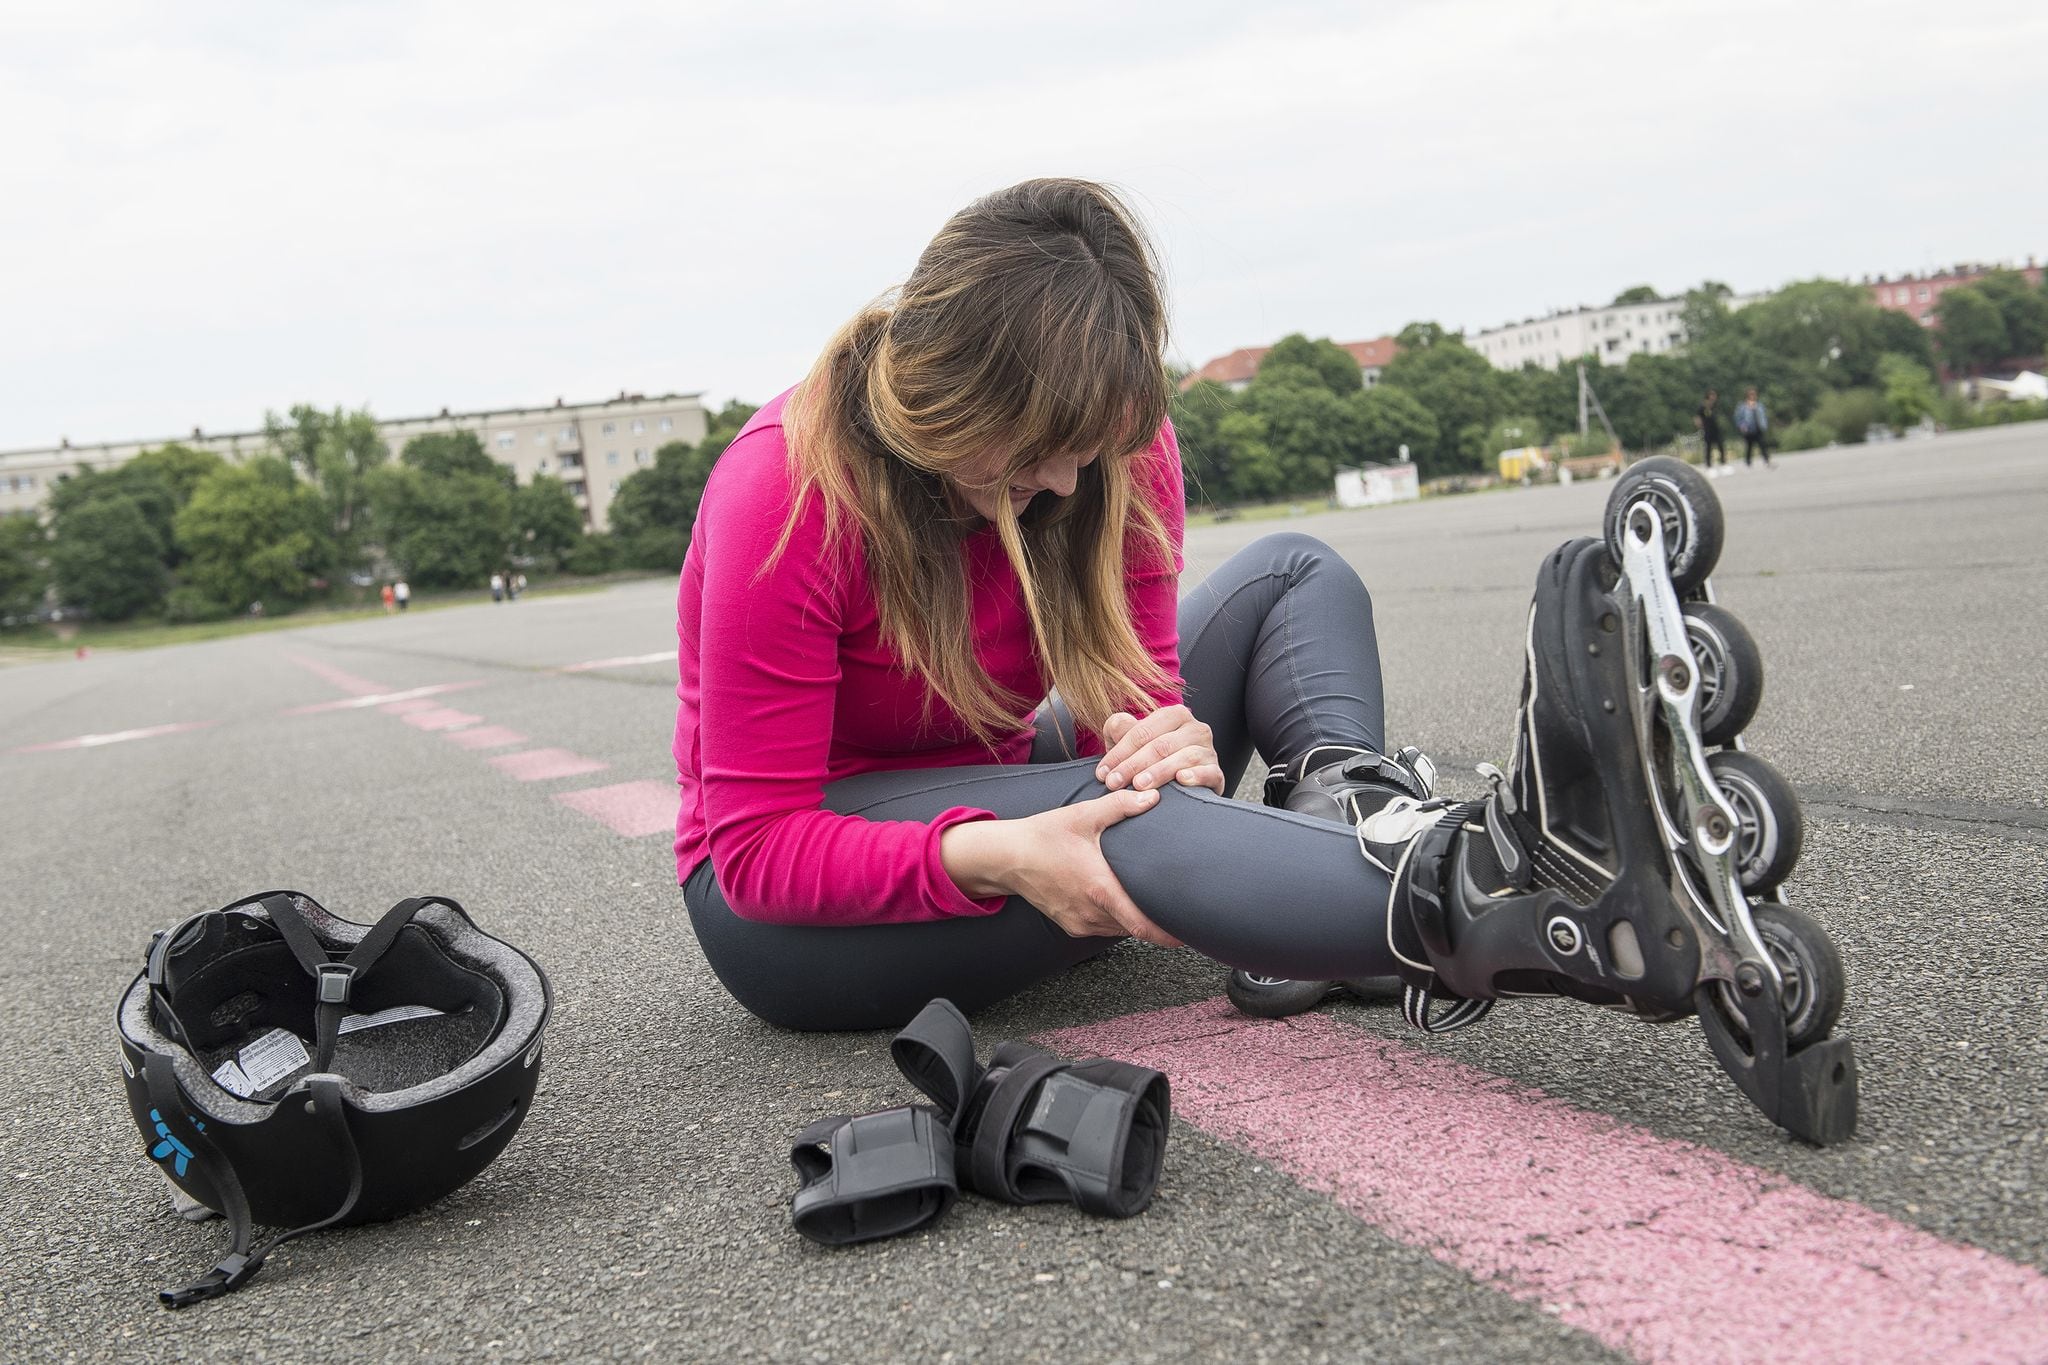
(297, 1070)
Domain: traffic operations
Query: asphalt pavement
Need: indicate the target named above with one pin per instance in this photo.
(1896, 591)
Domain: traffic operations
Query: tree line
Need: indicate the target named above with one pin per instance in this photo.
(1828, 362)
(185, 535)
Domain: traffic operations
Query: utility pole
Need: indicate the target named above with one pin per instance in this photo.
(1589, 399)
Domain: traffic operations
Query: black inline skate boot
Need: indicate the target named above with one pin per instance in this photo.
(1352, 785)
(1618, 861)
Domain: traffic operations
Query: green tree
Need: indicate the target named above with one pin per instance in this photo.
(1638, 293)
(1197, 413)
(107, 558)
(443, 531)
(1899, 334)
(335, 451)
(1850, 414)
(1512, 432)
(1310, 431)
(1972, 329)
(1392, 419)
(1909, 390)
(654, 509)
(24, 564)
(1457, 385)
(254, 533)
(1551, 397)
(445, 454)
(546, 522)
(181, 467)
(1254, 470)
(1825, 323)
(2022, 308)
(141, 484)
(1332, 365)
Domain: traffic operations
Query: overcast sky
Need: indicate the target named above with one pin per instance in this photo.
(209, 210)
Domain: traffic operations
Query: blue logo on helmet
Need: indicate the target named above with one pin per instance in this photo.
(170, 1149)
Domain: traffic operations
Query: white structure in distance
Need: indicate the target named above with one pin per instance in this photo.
(1375, 484)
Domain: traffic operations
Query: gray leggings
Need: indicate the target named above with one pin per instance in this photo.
(1278, 654)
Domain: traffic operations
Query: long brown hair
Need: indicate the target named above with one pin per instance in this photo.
(1032, 327)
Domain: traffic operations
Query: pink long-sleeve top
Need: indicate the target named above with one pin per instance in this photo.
(785, 684)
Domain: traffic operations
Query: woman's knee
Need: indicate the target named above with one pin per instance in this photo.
(1303, 558)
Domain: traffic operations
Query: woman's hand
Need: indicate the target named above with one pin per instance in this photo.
(1169, 745)
(1054, 860)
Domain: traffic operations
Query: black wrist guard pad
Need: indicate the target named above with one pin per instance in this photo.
(1034, 1128)
(1089, 1133)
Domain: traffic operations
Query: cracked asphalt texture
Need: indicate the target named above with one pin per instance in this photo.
(1896, 591)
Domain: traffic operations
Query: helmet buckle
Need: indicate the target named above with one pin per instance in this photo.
(335, 978)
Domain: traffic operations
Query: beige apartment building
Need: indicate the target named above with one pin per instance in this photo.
(591, 447)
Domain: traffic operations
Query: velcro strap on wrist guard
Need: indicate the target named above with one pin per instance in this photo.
(1089, 1133)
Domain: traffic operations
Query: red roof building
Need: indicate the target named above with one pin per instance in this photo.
(1917, 295)
(1235, 370)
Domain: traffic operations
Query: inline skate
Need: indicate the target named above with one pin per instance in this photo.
(1622, 859)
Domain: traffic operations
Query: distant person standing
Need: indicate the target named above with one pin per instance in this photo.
(1708, 420)
(1755, 425)
(402, 591)
(390, 599)
(516, 584)
(497, 587)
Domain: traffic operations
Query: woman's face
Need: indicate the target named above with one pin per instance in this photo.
(981, 482)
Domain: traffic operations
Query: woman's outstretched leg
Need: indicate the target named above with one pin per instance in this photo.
(1241, 883)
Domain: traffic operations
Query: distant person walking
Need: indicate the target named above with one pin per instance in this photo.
(402, 591)
(1708, 420)
(516, 584)
(390, 599)
(497, 587)
(1755, 425)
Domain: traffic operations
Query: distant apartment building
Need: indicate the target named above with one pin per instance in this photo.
(1235, 370)
(1613, 334)
(590, 447)
(1917, 295)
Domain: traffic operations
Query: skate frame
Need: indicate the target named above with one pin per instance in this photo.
(1703, 844)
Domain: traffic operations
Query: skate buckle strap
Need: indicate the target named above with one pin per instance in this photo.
(1417, 1003)
(1400, 820)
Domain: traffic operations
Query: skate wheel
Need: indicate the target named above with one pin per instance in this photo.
(1272, 997)
(1815, 985)
(1731, 671)
(1769, 827)
(1685, 504)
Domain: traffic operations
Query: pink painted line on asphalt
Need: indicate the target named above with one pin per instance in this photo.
(401, 708)
(341, 678)
(537, 765)
(484, 737)
(382, 700)
(631, 809)
(440, 718)
(1659, 1248)
(114, 737)
(624, 661)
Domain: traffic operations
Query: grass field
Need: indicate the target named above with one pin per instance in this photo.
(47, 640)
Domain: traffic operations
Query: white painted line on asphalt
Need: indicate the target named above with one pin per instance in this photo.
(625, 661)
(115, 737)
(382, 698)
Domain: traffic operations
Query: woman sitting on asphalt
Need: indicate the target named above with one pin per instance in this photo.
(975, 500)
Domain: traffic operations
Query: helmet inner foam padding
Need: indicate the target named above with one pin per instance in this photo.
(235, 980)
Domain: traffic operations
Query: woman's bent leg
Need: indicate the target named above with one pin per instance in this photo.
(1244, 884)
(1279, 655)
